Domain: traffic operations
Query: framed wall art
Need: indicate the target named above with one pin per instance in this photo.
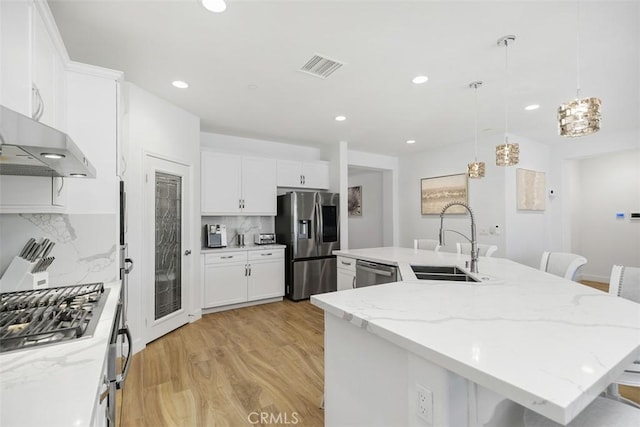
(530, 190)
(355, 201)
(436, 192)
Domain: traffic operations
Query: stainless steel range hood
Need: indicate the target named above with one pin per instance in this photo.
(30, 148)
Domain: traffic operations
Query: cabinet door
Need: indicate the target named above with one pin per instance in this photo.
(289, 173)
(259, 186)
(266, 279)
(316, 175)
(346, 279)
(224, 284)
(44, 70)
(15, 55)
(221, 183)
(32, 194)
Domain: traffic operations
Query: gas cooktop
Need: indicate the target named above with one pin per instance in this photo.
(48, 316)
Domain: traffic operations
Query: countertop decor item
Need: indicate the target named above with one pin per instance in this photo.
(475, 168)
(507, 154)
(579, 117)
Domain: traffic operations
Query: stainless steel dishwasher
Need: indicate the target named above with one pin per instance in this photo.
(372, 273)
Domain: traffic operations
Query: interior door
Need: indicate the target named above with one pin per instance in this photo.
(166, 246)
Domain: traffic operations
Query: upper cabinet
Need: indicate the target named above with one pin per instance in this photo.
(233, 185)
(32, 61)
(303, 174)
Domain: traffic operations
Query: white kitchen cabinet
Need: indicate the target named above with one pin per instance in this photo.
(346, 269)
(266, 274)
(225, 278)
(242, 276)
(295, 174)
(32, 194)
(15, 51)
(233, 184)
(32, 63)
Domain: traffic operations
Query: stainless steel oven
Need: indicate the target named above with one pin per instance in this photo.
(371, 273)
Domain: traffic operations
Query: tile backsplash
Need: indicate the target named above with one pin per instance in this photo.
(86, 244)
(247, 225)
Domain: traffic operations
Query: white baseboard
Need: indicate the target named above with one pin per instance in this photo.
(239, 305)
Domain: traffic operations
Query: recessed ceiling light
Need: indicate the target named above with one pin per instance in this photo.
(411, 141)
(216, 6)
(180, 84)
(52, 155)
(340, 118)
(420, 79)
(532, 107)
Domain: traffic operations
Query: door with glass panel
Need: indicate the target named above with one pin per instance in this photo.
(166, 246)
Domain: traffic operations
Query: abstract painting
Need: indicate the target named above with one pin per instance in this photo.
(436, 192)
(355, 201)
(530, 190)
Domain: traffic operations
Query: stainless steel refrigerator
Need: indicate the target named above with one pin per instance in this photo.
(309, 224)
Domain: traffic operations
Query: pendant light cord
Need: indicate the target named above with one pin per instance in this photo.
(475, 91)
(578, 49)
(506, 92)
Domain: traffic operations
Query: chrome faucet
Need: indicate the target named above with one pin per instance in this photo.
(473, 241)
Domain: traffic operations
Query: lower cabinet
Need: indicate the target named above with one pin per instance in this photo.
(346, 273)
(243, 276)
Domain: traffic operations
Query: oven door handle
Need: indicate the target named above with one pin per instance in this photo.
(120, 379)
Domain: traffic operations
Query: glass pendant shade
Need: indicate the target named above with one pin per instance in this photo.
(476, 170)
(507, 154)
(579, 117)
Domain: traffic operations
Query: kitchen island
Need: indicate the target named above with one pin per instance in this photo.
(473, 353)
(58, 384)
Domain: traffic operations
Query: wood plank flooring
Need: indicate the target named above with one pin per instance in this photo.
(230, 366)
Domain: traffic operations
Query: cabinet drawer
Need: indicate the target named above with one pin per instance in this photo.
(225, 257)
(345, 263)
(266, 254)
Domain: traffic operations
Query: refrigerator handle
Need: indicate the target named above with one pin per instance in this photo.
(318, 224)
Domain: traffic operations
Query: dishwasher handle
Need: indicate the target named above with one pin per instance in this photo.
(375, 271)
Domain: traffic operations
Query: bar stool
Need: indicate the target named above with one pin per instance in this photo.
(429, 244)
(601, 412)
(562, 264)
(483, 250)
(625, 283)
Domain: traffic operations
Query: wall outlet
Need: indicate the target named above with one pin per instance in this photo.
(424, 404)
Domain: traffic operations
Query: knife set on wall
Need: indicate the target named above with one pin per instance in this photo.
(28, 269)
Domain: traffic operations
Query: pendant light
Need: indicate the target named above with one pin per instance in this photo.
(476, 168)
(507, 154)
(579, 117)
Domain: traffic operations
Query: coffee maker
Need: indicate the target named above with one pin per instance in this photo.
(215, 235)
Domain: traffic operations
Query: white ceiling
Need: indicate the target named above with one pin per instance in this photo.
(242, 65)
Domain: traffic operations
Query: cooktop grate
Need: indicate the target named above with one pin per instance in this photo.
(46, 316)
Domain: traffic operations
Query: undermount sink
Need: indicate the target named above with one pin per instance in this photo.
(446, 273)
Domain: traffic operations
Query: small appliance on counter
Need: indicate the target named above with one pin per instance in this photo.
(264, 239)
(215, 235)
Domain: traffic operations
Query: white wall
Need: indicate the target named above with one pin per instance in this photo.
(389, 167)
(527, 233)
(153, 125)
(486, 195)
(608, 184)
(259, 147)
(366, 231)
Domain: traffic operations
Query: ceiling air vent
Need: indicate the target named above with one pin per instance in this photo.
(321, 66)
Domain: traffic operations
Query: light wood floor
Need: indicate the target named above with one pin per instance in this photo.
(231, 365)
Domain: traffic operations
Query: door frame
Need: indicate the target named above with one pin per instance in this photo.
(153, 329)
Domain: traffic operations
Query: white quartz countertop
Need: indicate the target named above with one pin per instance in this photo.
(251, 247)
(56, 385)
(545, 342)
